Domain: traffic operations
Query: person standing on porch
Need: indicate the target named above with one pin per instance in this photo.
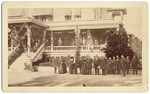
(83, 41)
(95, 41)
(59, 42)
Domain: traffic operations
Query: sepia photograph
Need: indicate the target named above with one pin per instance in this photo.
(76, 46)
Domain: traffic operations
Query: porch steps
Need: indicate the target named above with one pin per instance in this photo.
(18, 64)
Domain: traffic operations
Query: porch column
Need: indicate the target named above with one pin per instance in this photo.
(52, 40)
(13, 37)
(72, 15)
(77, 33)
(44, 35)
(11, 42)
(117, 30)
(29, 40)
(88, 39)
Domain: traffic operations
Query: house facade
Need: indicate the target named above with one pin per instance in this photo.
(60, 28)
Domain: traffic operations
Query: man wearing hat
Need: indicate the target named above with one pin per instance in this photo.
(123, 65)
(109, 66)
(134, 65)
(114, 66)
(118, 64)
(103, 65)
(127, 64)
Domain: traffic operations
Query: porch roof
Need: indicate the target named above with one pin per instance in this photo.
(124, 10)
(17, 20)
(88, 24)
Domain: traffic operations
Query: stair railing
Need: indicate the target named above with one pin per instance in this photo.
(14, 54)
(37, 55)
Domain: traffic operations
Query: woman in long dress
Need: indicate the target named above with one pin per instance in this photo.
(64, 66)
(71, 66)
(84, 68)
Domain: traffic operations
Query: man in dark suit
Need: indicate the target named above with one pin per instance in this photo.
(127, 64)
(103, 65)
(114, 66)
(55, 64)
(96, 64)
(123, 65)
(89, 65)
(118, 64)
(109, 61)
(134, 65)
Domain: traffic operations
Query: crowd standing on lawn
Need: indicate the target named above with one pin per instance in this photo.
(87, 65)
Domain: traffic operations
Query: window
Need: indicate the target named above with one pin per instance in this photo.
(76, 17)
(36, 17)
(98, 13)
(67, 17)
(44, 18)
(49, 18)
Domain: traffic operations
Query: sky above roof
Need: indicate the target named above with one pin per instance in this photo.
(133, 22)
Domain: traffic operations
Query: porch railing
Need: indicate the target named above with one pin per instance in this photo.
(73, 48)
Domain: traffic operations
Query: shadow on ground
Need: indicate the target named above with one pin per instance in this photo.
(81, 80)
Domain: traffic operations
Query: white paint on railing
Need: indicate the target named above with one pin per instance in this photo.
(38, 52)
(13, 50)
(73, 48)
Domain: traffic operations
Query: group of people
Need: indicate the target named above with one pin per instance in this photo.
(95, 66)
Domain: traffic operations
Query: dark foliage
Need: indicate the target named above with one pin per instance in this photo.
(117, 43)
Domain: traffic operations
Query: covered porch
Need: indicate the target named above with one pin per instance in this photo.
(62, 39)
(26, 41)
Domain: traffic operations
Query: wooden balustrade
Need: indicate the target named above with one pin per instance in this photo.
(73, 48)
(9, 49)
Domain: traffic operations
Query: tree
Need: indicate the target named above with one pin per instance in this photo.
(78, 43)
(117, 43)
